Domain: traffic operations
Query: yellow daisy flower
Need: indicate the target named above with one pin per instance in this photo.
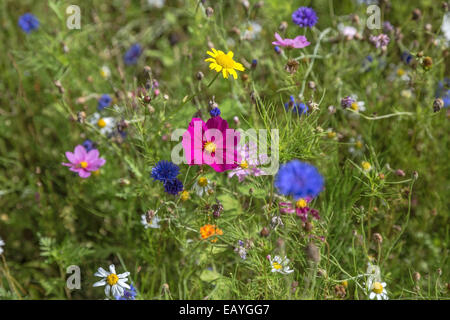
(224, 62)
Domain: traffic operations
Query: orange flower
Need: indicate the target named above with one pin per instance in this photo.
(209, 230)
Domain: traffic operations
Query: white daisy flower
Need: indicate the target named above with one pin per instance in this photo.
(357, 146)
(252, 31)
(105, 72)
(114, 283)
(106, 125)
(398, 73)
(377, 289)
(150, 220)
(202, 186)
(357, 105)
(2, 243)
(280, 265)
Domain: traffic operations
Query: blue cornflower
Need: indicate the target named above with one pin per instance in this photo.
(277, 49)
(128, 294)
(304, 17)
(406, 57)
(254, 63)
(28, 22)
(132, 55)
(215, 112)
(174, 186)
(299, 179)
(297, 107)
(165, 171)
(88, 145)
(104, 102)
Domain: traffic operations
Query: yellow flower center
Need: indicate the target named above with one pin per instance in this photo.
(331, 134)
(112, 279)
(400, 72)
(377, 288)
(359, 144)
(366, 165)
(101, 123)
(225, 61)
(355, 106)
(184, 195)
(276, 265)
(345, 283)
(301, 203)
(83, 164)
(244, 164)
(202, 182)
(210, 146)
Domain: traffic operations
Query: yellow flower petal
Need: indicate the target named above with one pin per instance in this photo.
(224, 73)
(230, 54)
(233, 72)
(211, 54)
(212, 65)
(210, 60)
(218, 68)
(239, 66)
(214, 50)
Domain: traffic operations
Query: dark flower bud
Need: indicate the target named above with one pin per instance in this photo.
(264, 232)
(438, 104)
(377, 238)
(147, 99)
(416, 14)
(400, 172)
(199, 76)
(209, 11)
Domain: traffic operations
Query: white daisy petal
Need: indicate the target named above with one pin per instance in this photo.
(123, 275)
(123, 284)
(372, 295)
(112, 269)
(99, 283)
(107, 290)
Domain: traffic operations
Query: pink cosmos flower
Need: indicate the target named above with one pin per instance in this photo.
(84, 162)
(211, 143)
(300, 208)
(297, 43)
(250, 162)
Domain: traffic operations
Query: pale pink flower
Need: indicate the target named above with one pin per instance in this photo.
(297, 43)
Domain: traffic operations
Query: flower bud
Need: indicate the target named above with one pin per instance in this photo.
(416, 276)
(209, 11)
(264, 232)
(438, 104)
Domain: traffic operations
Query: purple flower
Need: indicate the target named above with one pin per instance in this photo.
(104, 102)
(380, 40)
(132, 55)
(28, 22)
(297, 43)
(84, 162)
(347, 102)
(304, 17)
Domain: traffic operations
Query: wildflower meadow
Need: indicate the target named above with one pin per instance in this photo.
(223, 150)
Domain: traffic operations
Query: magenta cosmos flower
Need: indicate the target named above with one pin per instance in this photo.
(84, 162)
(297, 43)
(211, 143)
